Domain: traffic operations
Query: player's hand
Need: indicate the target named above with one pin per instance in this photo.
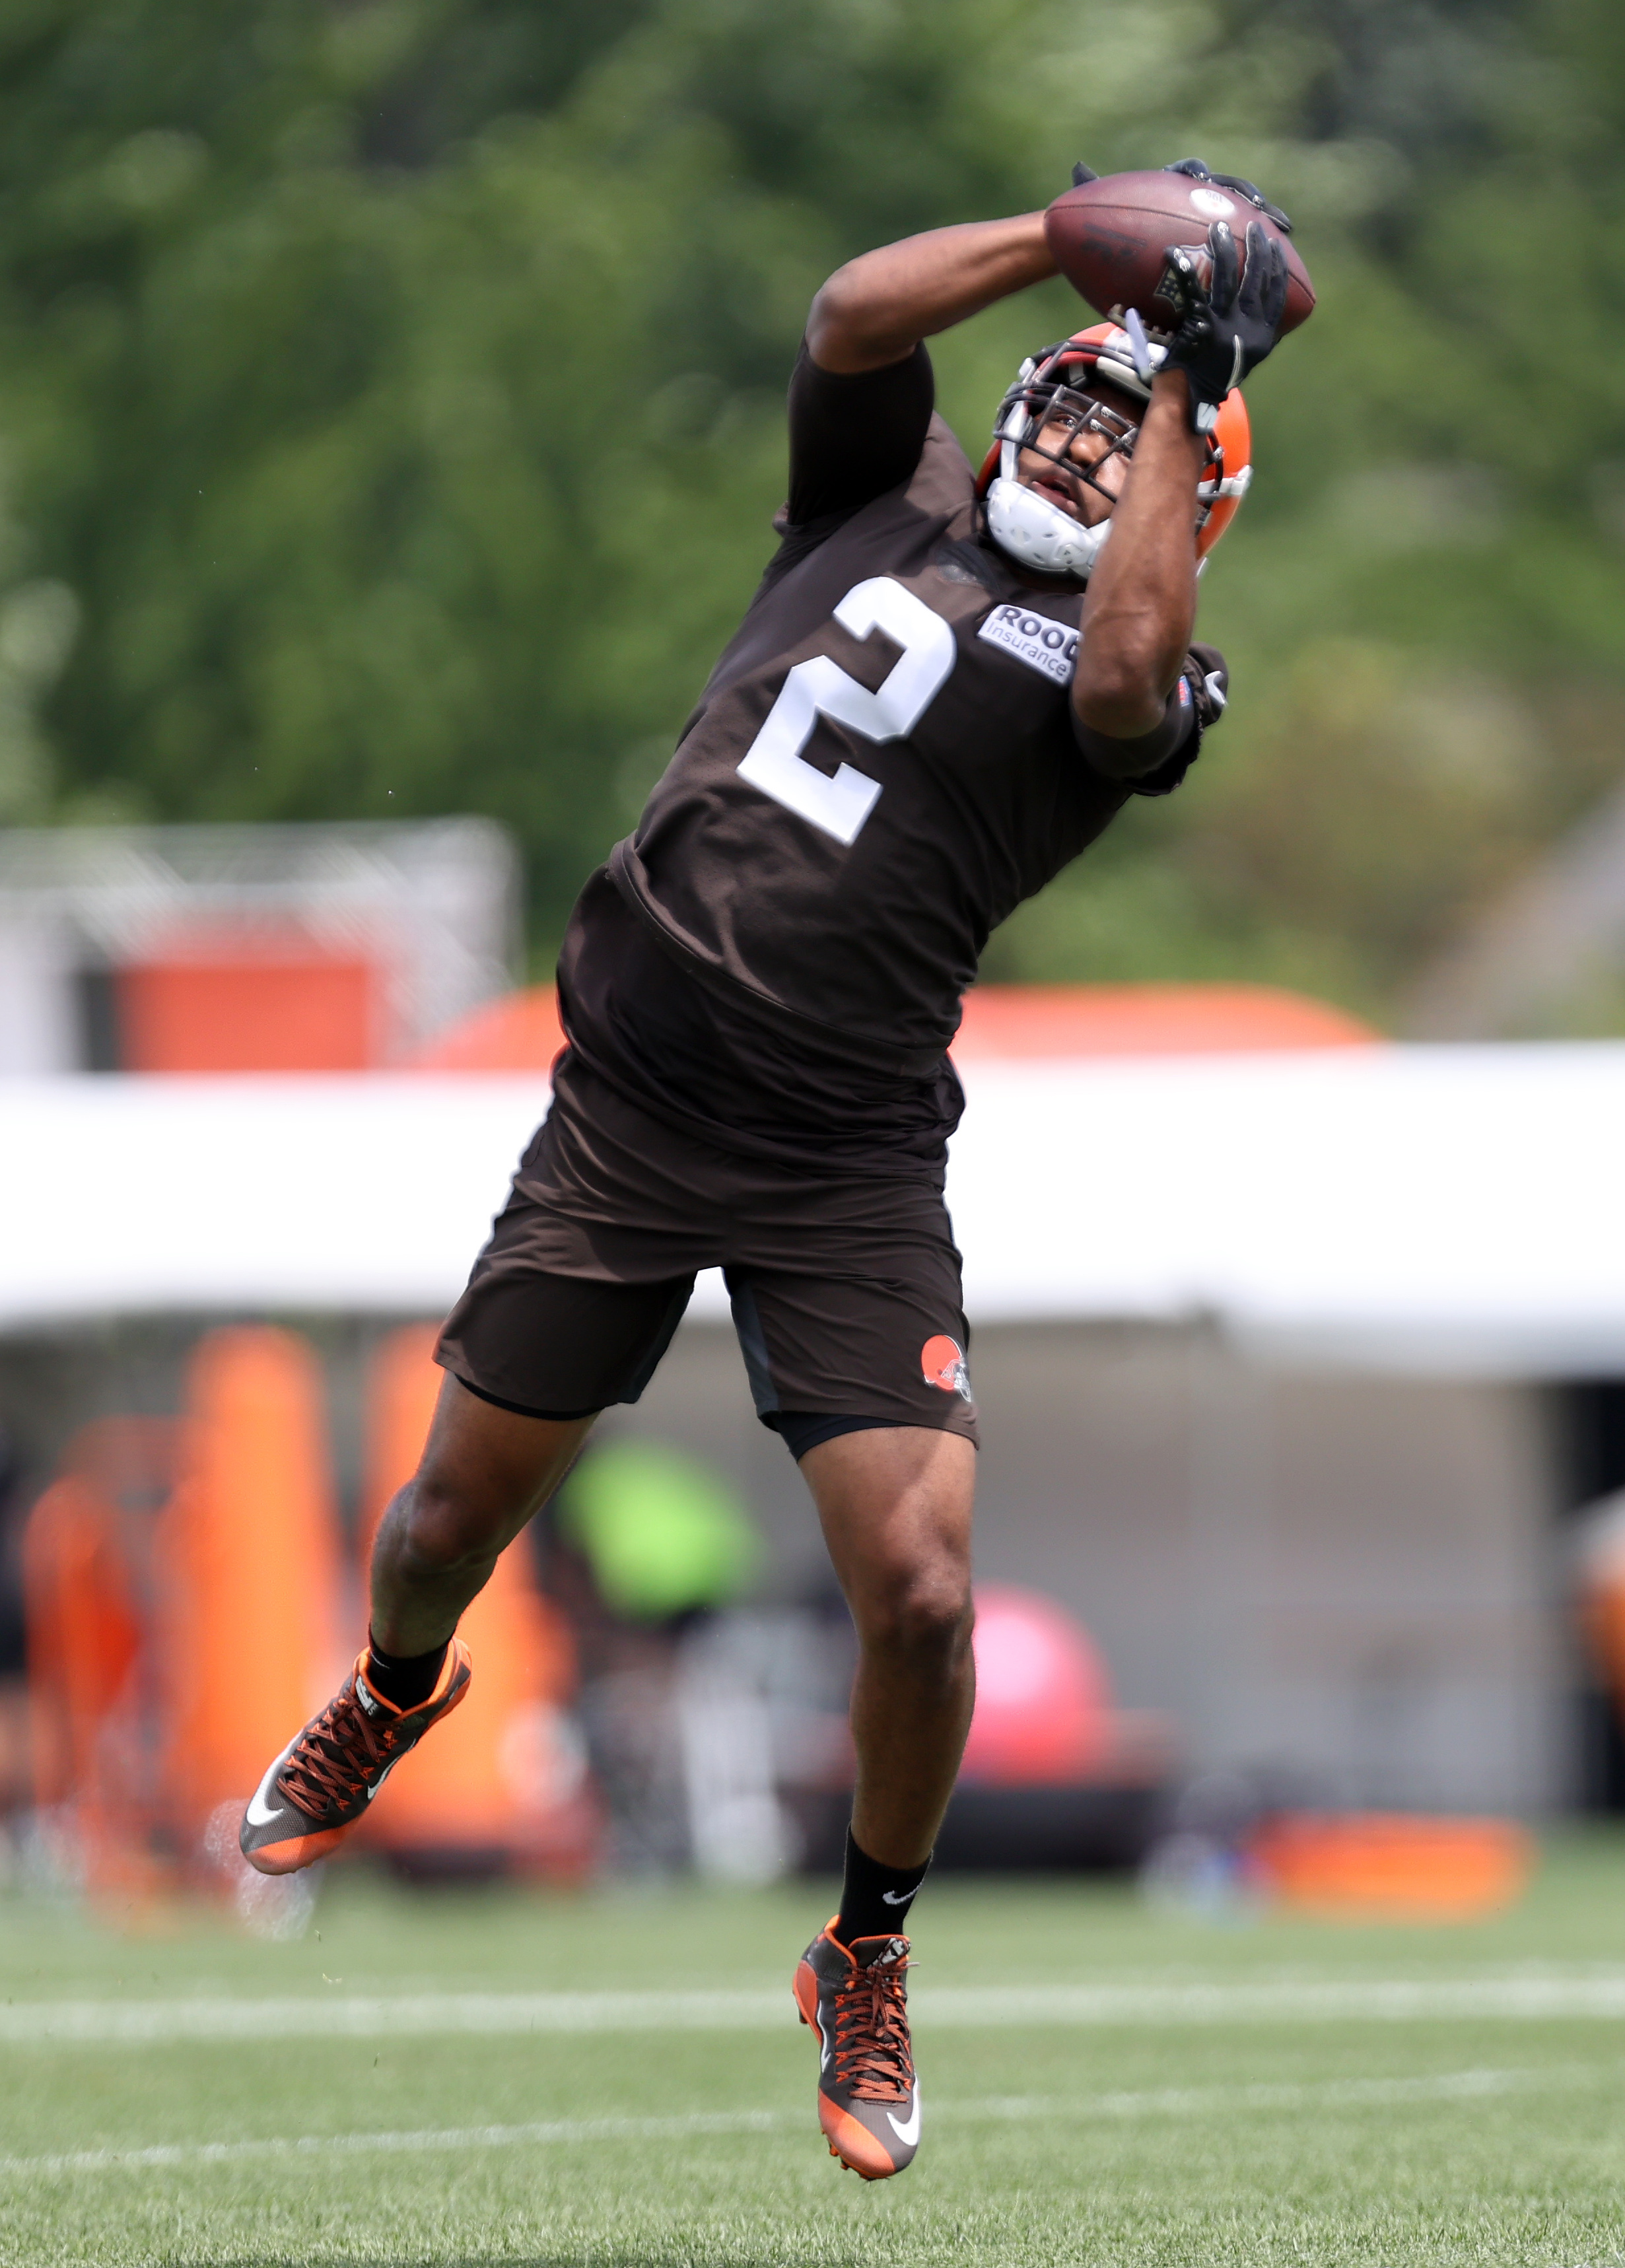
(1250, 190)
(1229, 324)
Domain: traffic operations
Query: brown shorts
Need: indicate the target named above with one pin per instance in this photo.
(845, 1290)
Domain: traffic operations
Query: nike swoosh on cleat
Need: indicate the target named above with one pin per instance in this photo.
(382, 1777)
(259, 1812)
(907, 2130)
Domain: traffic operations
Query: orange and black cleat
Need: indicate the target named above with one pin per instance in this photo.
(855, 1999)
(323, 1782)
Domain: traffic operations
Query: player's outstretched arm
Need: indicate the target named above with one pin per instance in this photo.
(879, 307)
(1142, 604)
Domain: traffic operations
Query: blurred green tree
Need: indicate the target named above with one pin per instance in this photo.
(390, 415)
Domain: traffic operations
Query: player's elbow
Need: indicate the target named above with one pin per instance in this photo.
(834, 321)
(1119, 695)
(847, 325)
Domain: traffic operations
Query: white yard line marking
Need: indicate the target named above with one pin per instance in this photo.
(443, 2138)
(341, 2015)
(1517, 1997)
(1293, 2094)
(1453, 2085)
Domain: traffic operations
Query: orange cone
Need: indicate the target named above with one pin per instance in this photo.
(247, 1568)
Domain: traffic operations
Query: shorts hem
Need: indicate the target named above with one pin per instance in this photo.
(801, 1430)
(521, 1408)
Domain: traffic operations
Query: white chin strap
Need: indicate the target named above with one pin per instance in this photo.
(1037, 533)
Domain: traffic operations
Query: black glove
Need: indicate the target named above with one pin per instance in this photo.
(1207, 673)
(1228, 325)
(1198, 171)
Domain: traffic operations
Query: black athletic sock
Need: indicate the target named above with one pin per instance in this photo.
(874, 1899)
(406, 1679)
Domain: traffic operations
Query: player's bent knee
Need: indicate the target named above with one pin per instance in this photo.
(481, 1475)
(926, 1615)
(440, 1528)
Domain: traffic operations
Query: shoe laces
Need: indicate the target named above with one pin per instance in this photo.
(872, 2053)
(339, 1755)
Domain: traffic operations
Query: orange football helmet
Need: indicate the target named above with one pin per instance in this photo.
(1040, 534)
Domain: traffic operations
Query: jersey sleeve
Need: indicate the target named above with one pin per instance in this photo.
(1155, 762)
(852, 437)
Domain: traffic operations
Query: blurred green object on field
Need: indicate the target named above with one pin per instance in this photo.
(663, 1533)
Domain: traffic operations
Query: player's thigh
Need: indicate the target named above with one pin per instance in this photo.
(485, 1471)
(894, 1489)
(533, 1358)
(895, 1504)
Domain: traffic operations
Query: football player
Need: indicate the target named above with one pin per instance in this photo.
(945, 687)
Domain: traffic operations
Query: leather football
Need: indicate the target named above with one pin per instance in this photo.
(1108, 238)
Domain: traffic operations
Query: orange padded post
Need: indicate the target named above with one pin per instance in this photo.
(248, 1569)
(500, 1778)
(83, 1634)
(82, 1587)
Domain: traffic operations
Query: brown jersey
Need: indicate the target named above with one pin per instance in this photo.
(883, 765)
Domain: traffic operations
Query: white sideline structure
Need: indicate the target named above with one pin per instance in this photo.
(1259, 1340)
(1453, 1208)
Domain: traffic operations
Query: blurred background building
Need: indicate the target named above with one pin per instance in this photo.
(248, 948)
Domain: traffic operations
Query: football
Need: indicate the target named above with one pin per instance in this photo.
(1108, 237)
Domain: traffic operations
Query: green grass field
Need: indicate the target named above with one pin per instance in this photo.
(1372, 2095)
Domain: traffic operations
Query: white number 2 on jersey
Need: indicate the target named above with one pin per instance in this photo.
(821, 688)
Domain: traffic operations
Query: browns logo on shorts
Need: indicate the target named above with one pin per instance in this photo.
(942, 1362)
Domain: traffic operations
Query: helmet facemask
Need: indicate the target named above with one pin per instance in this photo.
(1064, 384)
(1032, 411)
